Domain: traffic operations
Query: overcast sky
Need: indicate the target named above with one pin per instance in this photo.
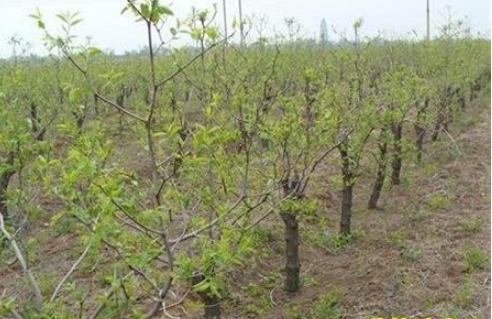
(110, 30)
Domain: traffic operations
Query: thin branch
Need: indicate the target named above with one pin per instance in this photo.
(99, 96)
(109, 293)
(119, 107)
(127, 214)
(190, 62)
(38, 300)
(75, 265)
(16, 314)
(209, 225)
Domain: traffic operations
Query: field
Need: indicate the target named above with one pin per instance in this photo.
(282, 178)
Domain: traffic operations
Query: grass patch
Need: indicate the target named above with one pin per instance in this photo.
(397, 237)
(471, 226)
(332, 242)
(438, 202)
(326, 307)
(411, 253)
(463, 296)
(474, 258)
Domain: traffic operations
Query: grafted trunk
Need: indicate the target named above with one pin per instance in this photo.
(34, 118)
(79, 120)
(419, 141)
(380, 177)
(292, 262)
(396, 162)
(345, 221)
(37, 131)
(96, 105)
(178, 161)
(443, 117)
(210, 301)
(420, 130)
(5, 178)
(437, 127)
(462, 101)
(473, 94)
(346, 209)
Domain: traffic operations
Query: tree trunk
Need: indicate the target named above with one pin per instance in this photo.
(346, 209)
(37, 131)
(380, 177)
(212, 307)
(437, 127)
(292, 262)
(396, 163)
(96, 105)
(420, 131)
(34, 118)
(462, 101)
(4, 184)
(419, 141)
(443, 117)
(211, 301)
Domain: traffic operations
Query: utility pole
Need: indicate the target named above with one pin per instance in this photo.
(428, 21)
(241, 26)
(323, 33)
(224, 9)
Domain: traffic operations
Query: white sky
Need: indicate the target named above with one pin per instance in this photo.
(110, 30)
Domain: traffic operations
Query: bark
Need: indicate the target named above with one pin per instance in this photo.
(380, 177)
(420, 131)
(178, 161)
(5, 178)
(473, 94)
(419, 141)
(120, 100)
(37, 131)
(79, 120)
(292, 262)
(396, 163)
(96, 105)
(437, 127)
(346, 209)
(345, 221)
(34, 118)
(292, 188)
(211, 301)
(443, 116)
(462, 101)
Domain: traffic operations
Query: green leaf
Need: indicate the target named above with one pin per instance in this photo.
(145, 10)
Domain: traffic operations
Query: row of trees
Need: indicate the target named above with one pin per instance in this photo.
(164, 166)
